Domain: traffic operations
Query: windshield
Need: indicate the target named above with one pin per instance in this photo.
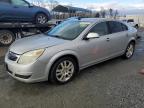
(68, 30)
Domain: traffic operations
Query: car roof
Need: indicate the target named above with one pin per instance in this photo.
(97, 19)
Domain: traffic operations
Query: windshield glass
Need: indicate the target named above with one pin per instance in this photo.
(68, 30)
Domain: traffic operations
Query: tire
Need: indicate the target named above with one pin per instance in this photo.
(136, 26)
(59, 72)
(129, 50)
(6, 37)
(41, 18)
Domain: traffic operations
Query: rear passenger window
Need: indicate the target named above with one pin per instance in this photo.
(115, 26)
(100, 28)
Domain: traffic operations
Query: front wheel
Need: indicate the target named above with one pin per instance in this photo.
(41, 18)
(63, 70)
(129, 51)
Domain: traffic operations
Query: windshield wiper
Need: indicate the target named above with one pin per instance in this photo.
(57, 36)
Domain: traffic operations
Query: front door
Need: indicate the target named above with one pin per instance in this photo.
(5, 13)
(96, 49)
(21, 10)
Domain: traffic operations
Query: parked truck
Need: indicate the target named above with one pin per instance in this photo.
(11, 31)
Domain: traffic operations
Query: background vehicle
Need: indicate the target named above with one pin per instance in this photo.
(11, 31)
(132, 23)
(22, 11)
(69, 47)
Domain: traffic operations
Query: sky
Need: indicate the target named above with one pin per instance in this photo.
(117, 4)
(124, 6)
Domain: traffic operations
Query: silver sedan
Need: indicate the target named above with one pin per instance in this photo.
(73, 45)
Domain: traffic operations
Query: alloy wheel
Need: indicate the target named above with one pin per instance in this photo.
(41, 19)
(130, 50)
(65, 71)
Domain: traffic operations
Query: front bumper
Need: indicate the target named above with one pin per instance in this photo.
(34, 72)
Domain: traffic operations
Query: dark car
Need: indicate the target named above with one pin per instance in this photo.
(22, 11)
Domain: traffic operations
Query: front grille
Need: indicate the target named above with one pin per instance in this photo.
(12, 56)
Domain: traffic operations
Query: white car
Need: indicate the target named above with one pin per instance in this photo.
(132, 23)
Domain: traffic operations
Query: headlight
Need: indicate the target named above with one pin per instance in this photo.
(31, 56)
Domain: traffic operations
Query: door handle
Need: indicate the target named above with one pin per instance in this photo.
(127, 35)
(108, 39)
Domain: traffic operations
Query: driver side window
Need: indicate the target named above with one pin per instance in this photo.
(19, 3)
(100, 28)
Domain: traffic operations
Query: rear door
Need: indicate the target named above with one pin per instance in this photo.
(118, 37)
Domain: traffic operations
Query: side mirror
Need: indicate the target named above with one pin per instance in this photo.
(92, 35)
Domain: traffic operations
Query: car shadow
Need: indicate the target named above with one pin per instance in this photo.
(35, 89)
(101, 65)
(80, 74)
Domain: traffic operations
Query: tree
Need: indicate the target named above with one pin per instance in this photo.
(111, 12)
(53, 4)
(97, 15)
(116, 14)
(46, 3)
(36, 2)
(103, 12)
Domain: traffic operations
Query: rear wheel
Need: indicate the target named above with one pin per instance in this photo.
(6, 37)
(63, 70)
(41, 18)
(129, 51)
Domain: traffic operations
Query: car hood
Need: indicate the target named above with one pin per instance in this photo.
(35, 42)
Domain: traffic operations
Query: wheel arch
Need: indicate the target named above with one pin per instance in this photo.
(9, 30)
(132, 40)
(60, 55)
(40, 12)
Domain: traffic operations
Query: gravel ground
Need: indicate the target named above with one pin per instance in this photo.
(112, 84)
